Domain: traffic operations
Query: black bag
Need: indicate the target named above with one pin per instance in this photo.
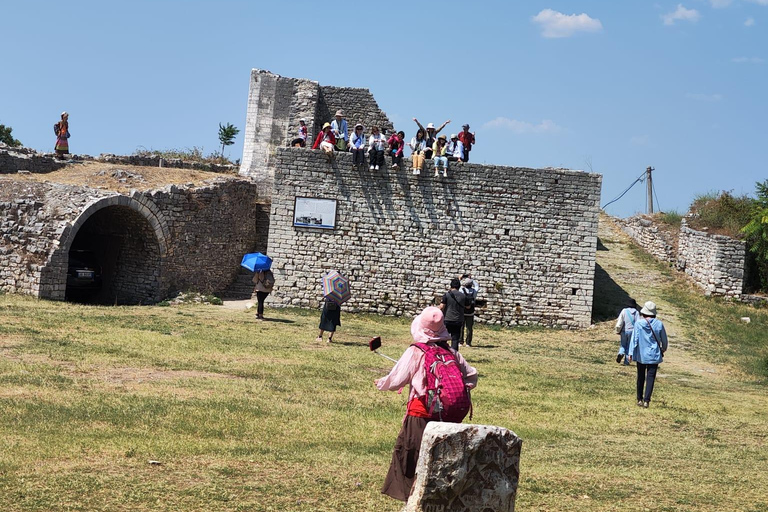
(56, 129)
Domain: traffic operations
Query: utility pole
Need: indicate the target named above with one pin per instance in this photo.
(649, 186)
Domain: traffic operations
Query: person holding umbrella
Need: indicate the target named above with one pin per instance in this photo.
(263, 278)
(336, 292)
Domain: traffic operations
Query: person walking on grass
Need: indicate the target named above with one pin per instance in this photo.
(468, 289)
(453, 306)
(264, 281)
(330, 318)
(429, 335)
(624, 327)
(647, 347)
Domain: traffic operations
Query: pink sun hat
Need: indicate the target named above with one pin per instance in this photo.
(428, 326)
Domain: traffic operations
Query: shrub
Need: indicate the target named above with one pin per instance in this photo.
(723, 213)
(672, 218)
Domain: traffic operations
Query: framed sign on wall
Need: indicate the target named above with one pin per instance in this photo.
(314, 212)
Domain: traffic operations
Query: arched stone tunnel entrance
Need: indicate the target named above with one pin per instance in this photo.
(114, 252)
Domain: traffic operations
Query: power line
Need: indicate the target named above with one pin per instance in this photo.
(639, 179)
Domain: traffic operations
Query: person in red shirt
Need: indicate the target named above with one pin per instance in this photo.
(326, 141)
(467, 139)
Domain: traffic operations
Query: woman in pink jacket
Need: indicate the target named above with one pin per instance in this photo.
(426, 328)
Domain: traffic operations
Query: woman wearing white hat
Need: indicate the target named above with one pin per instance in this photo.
(647, 347)
(62, 135)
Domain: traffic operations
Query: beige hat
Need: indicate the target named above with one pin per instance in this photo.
(649, 309)
(340, 113)
(454, 136)
(326, 125)
(441, 137)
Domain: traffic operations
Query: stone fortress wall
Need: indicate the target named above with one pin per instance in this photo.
(528, 235)
(716, 263)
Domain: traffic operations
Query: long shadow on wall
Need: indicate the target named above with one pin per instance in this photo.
(609, 298)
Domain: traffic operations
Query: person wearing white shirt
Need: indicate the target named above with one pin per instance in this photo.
(455, 149)
(377, 144)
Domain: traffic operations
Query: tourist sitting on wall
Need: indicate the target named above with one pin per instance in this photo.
(418, 146)
(377, 144)
(357, 147)
(440, 156)
(431, 134)
(396, 145)
(326, 141)
(301, 140)
(340, 131)
(455, 149)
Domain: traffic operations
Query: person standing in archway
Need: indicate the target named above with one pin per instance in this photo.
(62, 135)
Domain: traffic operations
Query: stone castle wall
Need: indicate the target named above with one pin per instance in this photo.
(659, 243)
(183, 237)
(13, 160)
(716, 263)
(528, 236)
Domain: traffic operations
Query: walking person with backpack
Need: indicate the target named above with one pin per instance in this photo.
(453, 307)
(624, 326)
(264, 281)
(648, 344)
(439, 380)
(468, 289)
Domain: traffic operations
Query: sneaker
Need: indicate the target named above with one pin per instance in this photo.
(645, 405)
(437, 174)
(371, 167)
(376, 168)
(640, 403)
(394, 166)
(619, 357)
(320, 338)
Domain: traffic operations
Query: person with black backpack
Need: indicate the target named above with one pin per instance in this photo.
(453, 306)
(440, 380)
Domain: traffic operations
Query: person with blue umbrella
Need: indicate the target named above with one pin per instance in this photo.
(263, 278)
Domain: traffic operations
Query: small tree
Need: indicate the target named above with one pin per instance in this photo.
(6, 137)
(757, 232)
(227, 135)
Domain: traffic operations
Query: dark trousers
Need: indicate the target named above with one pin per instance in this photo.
(397, 160)
(468, 325)
(646, 377)
(260, 297)
(466, 155)
(376, 157)
(455, 329)
(358, 156)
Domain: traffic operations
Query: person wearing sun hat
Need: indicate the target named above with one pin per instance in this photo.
(62, 135)
(440, 156)
(427, 328)
(647, 347)
(431, 135)
(326, 141)
(340, 131)
(467, 139)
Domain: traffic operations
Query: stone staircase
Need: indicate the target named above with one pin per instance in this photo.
(241, 288)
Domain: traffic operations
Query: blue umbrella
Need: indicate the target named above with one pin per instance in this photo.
(256, 261)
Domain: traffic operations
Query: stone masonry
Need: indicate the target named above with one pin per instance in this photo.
(275, 105)
(657, 242)
(528, 235)
(716, 263)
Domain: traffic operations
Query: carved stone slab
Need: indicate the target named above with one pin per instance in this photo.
(466, 468)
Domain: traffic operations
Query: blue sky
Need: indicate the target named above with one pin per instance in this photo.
(608, 86)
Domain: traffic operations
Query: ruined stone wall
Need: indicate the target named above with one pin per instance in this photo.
(13, 160)
(657, 242)
(185, 237)
(275, 105)
(528, 235)
(715, 263)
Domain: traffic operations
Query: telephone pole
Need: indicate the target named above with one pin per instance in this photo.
(649, 188)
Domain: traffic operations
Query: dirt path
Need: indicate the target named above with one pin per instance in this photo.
(644, 283)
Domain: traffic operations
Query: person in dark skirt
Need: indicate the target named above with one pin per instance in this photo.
(330, 318)
(428, 328)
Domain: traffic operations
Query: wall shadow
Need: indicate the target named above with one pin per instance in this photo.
(608, 299)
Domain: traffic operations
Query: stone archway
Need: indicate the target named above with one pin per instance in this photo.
(124, 240)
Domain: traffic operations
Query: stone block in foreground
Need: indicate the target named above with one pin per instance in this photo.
(466, 468)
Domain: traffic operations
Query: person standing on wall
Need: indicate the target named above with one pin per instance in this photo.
(468, 289)
(467, 139)
(453, 306)
(264, 281)
(61, 129)
(340, 131)
(625, 324)
(648, 344)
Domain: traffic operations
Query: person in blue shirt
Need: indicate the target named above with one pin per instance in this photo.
(624, 326)
(647, 347)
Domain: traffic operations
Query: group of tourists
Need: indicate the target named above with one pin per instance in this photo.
(644, 341)
(335, 137)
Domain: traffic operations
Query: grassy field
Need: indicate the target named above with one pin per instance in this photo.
(241, 415)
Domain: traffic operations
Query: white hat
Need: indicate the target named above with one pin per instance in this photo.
(65, 113)
(454, 136)
(302, 120)
(430, 125)
(649, 309)
(340, 113)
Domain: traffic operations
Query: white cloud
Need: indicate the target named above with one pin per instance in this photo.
(556, 24)
(749, 22)
(681, 14)
(747, 60)
(760, 2)
(703, 97)
(520, 127)
(720, 4)
(639, 140)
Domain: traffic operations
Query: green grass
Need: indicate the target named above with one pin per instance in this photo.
(257, 416)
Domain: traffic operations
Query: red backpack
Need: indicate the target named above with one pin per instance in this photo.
(447, 396)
